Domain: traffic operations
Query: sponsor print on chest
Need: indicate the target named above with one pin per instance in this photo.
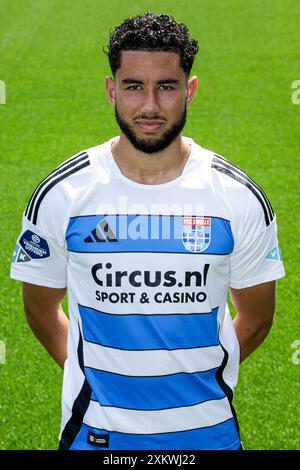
(147, 260)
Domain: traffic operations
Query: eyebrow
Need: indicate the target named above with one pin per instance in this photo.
(160, 82)
(168, 81)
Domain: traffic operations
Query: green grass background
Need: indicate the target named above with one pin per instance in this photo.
(53, 67)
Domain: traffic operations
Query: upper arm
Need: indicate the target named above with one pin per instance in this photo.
(255, 304)
(43, 299)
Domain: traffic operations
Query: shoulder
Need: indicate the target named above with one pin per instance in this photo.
(57, 191)
(239, 189)
(237, 196)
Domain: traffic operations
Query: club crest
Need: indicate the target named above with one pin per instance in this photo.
(196, 233)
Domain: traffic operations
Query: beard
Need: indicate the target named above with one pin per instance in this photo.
(152, 145)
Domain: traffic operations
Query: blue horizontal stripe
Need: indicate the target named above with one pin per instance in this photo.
(146, 233)
(153, 393)
(143, 332)
(222, 436)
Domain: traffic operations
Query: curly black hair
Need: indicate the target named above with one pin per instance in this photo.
(149, 31)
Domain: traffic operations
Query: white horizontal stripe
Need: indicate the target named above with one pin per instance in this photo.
(80, 272)
(110, 418)
(151, 363)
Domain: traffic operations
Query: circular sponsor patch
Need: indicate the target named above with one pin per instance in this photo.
(35, 238)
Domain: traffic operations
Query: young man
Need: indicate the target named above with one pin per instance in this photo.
(147, 233)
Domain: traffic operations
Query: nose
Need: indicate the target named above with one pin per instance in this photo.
(150, 103)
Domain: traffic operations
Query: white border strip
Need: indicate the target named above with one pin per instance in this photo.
(151, 363)
(110, 418)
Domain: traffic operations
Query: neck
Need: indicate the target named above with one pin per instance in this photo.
(154, 168)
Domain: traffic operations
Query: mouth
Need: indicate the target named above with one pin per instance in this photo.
(149, 125)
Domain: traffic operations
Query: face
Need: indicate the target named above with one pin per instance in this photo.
(150, 94)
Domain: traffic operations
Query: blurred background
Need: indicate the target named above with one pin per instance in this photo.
(53, 104)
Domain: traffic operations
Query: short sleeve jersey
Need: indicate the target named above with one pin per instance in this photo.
(153, 356)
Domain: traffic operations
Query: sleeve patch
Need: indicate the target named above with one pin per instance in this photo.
(274, 254)
(33, 246)
(19, 255)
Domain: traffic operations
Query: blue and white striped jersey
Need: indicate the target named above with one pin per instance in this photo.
(152, 352)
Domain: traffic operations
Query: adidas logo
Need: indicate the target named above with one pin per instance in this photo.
(102, 233)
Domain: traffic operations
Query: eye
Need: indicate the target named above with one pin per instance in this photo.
(166, 87)
(134, 87)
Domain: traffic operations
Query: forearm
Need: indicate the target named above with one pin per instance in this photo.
(255, 307)
(52, 334)
(249, 336)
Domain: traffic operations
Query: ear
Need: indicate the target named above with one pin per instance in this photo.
(192, 86)
(110, 90)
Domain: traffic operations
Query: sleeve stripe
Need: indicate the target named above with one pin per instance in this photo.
(237, 170)
(245, 183)
(33, 213)
(67, 164)
(230, 170)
